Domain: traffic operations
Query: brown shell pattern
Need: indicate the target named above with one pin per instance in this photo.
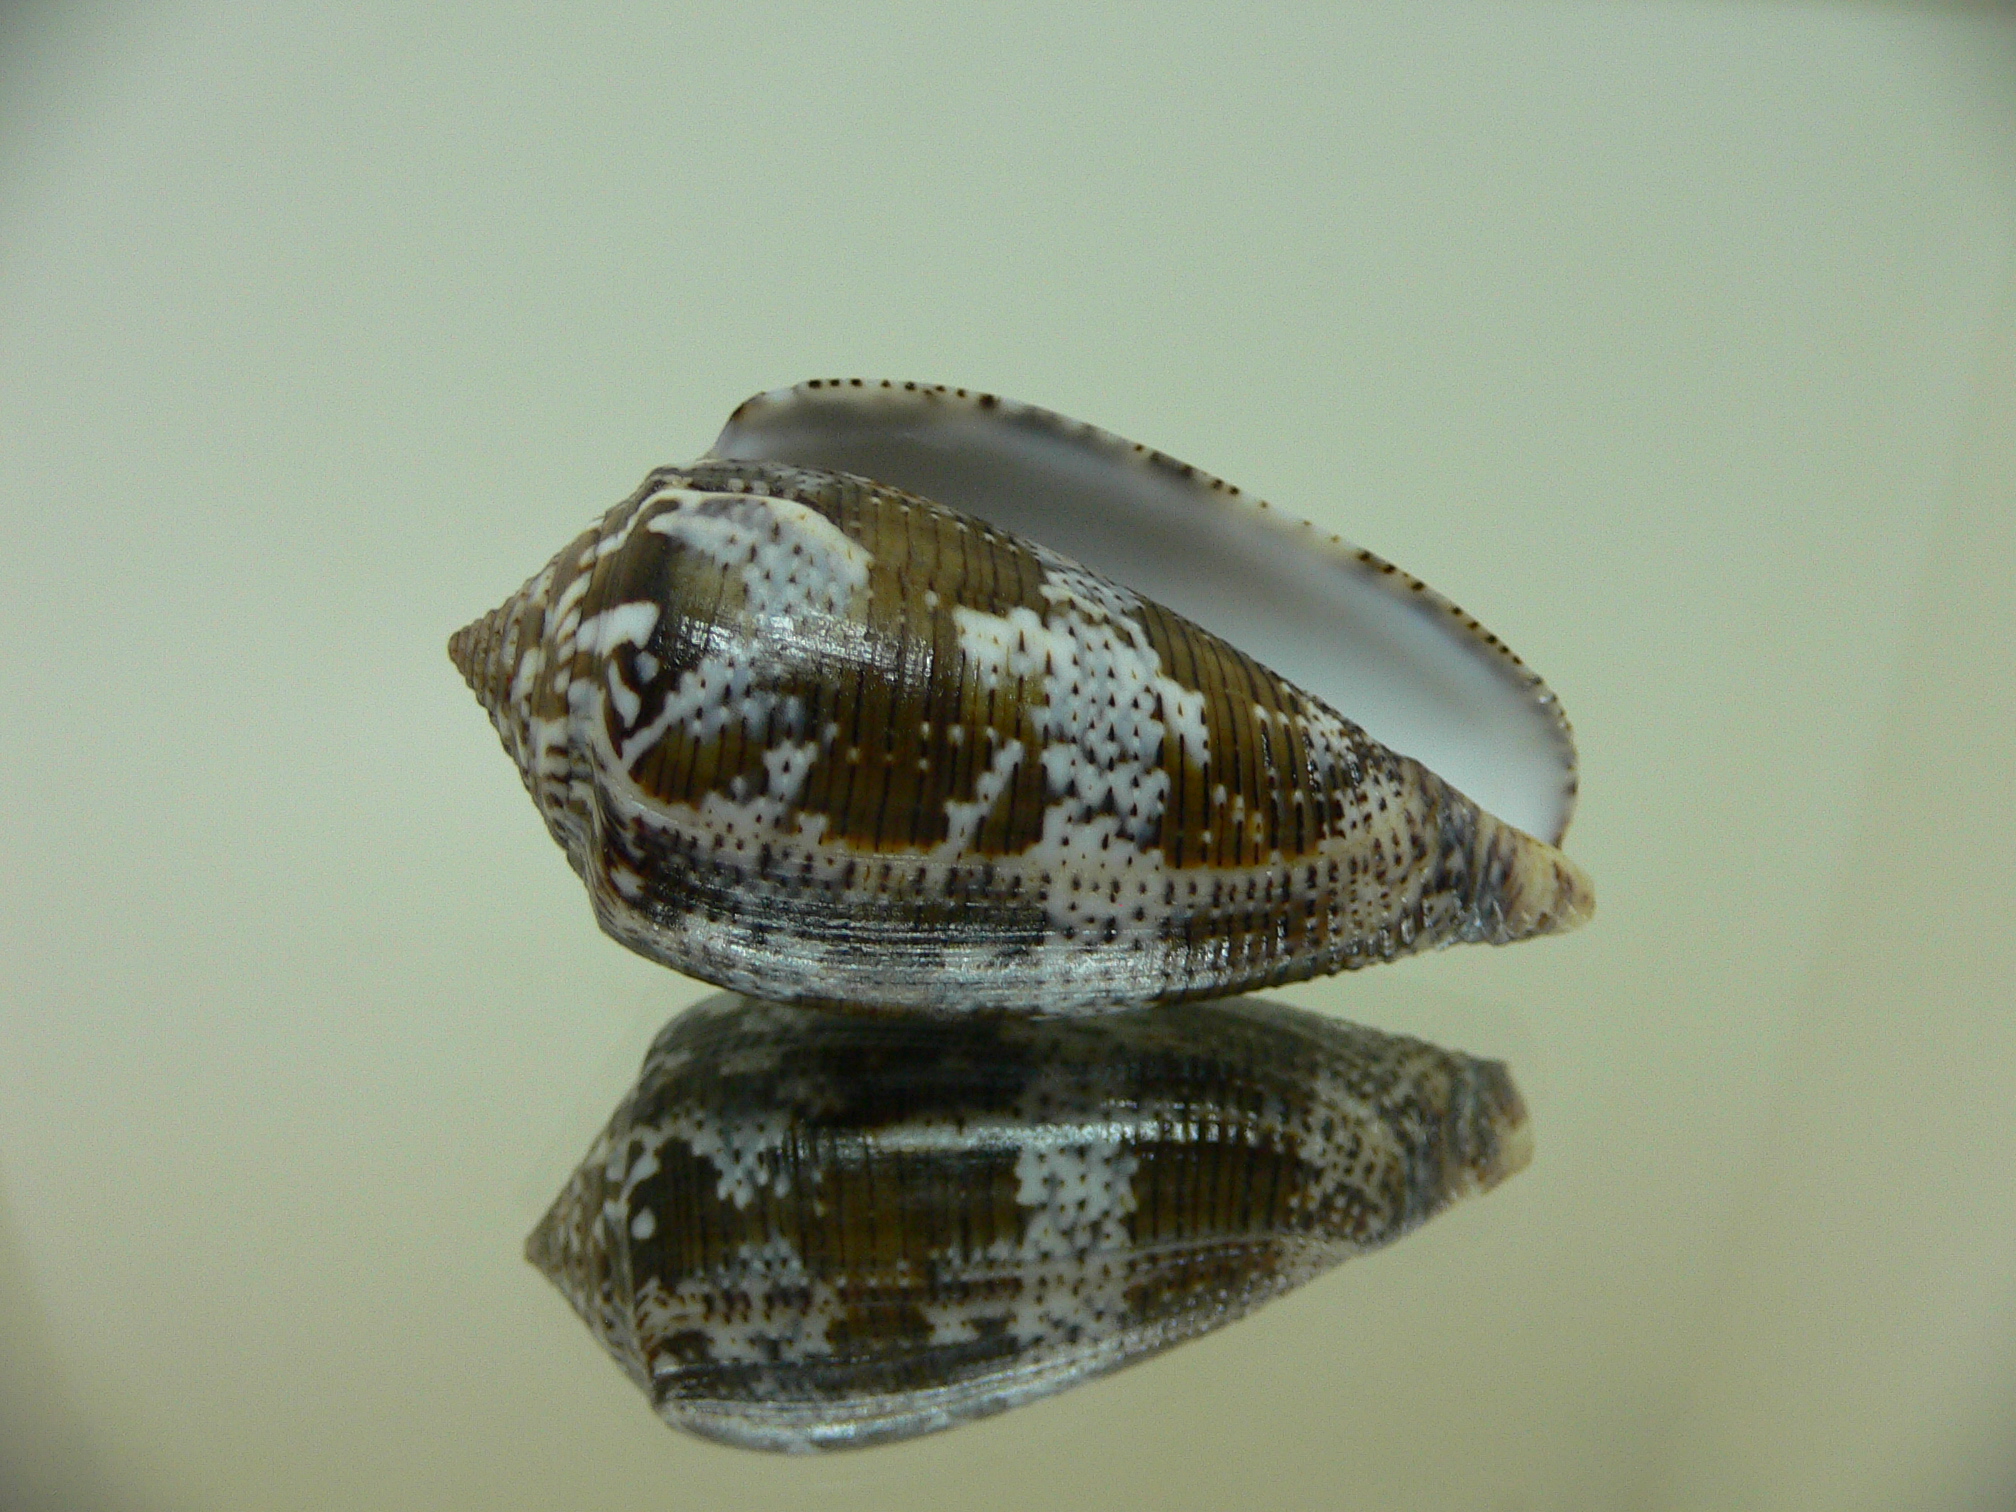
(811, 1230)
(820, 740)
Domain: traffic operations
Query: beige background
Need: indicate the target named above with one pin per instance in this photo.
(1678, 343)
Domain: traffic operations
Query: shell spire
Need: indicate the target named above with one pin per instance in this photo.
(476, 650)
(488, 655)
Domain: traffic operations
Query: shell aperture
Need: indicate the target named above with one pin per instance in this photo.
(812, 737)
(806, 1230)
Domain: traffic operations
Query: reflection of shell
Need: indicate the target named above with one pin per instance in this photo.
(816, 1230)
(809, 736)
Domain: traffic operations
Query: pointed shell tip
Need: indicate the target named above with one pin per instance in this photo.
(1498, 1136)
(475, 651)
(461, 651)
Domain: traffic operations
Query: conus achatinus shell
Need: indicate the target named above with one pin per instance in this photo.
(818, 739)
(811, 1230)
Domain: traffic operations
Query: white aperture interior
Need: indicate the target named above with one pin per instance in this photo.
(1393, 661)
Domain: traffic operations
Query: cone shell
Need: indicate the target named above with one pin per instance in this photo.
(821, 740)
(808, 1230)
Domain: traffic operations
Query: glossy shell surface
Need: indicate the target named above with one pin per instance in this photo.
(805, 1229)
(822, 739)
